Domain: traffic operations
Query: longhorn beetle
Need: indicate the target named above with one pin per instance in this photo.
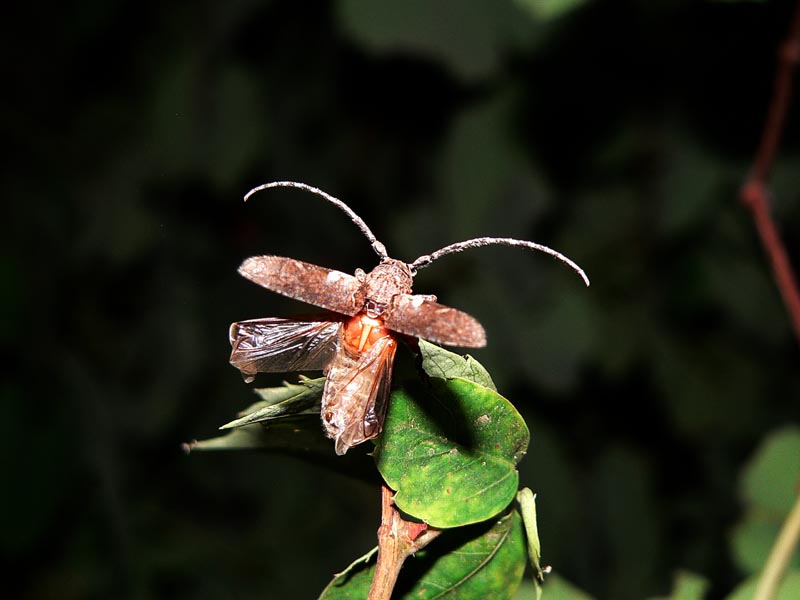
(355, 345)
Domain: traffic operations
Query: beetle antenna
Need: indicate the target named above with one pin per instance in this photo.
(379, 248)
(426, 259)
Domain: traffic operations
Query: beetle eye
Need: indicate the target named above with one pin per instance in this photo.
(374, 309)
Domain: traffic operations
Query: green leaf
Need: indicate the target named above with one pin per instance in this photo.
(770, 478)
(469, 38)
(297, 433)
(299, 436)
(450, 451)
(438, 362)
(768, 489)
(752, 539)
(527, 506)
(481, 561)
(244, 438)
(787, 590)
(687, 586)
(279, 402)
(549, 9)
(286, 420)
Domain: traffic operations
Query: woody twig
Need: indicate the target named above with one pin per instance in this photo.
(754, 193)
(397, 540)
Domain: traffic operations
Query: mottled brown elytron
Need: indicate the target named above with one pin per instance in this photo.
(354, 344)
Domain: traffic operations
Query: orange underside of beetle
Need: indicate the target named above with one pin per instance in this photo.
(362, 332)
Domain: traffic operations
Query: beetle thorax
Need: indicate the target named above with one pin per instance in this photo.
(385, 281)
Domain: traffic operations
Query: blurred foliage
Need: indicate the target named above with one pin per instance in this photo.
(616, 132)
(768, 489)
(788, 589)
(687, 587)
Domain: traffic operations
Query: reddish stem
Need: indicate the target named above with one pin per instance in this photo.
(754, 193)
(397, 540)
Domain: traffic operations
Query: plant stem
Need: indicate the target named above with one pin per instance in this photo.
(754, 191)
(754, 195)
(780, 555)
(397, 540)
(390, 556)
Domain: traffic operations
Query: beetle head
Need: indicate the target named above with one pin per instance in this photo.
(389, 278)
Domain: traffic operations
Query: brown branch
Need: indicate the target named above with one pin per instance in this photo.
(397, 540)
(754, 193)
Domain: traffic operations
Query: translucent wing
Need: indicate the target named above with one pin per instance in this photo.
(282, 345)
(419, 316)
(326, 288)
(356, 394)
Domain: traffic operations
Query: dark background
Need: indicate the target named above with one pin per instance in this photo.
(616, 132)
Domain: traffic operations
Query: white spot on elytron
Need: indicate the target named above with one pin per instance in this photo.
(483, 419)
(333, 277)
(417, 301)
